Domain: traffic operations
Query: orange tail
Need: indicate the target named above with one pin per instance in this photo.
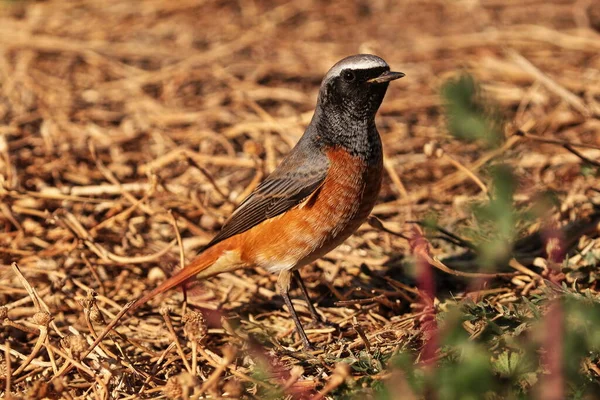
(200, 263)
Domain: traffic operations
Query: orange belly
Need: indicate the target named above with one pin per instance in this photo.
(322, 222)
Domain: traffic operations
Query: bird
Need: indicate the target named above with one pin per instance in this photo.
(319, 194)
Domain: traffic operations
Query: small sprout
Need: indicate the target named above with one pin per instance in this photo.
(88, 301)
(96, 316)
(42, 318)
(195, 326)
(180, 386)
(91, 308)
(76, 345)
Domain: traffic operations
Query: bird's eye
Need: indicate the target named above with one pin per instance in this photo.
(349, 76)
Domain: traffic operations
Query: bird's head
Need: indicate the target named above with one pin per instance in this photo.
(355, 86)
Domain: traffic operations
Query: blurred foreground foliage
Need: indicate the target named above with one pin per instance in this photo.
(491, 350)
(504, 360)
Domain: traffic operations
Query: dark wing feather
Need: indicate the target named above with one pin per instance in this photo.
(294, 180)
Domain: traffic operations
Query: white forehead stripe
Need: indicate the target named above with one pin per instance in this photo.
(360, 61)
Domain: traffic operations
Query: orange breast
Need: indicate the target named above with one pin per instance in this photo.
(322, 222)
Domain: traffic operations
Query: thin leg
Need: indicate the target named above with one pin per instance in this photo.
(313, 311)
(284, 290)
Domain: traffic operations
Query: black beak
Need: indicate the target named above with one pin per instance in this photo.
(386, 77)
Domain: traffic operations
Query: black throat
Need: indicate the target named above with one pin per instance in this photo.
(337, 123)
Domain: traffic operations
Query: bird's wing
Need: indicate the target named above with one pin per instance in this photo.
(298, 176)
(295, 179)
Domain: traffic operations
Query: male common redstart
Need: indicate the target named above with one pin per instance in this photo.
(322, 191)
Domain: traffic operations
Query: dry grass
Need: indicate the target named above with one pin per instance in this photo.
(104, 104)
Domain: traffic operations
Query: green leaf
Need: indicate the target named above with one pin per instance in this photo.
(469, 117)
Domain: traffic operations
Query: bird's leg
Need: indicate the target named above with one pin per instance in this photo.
(283, 282)
(313, 311)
